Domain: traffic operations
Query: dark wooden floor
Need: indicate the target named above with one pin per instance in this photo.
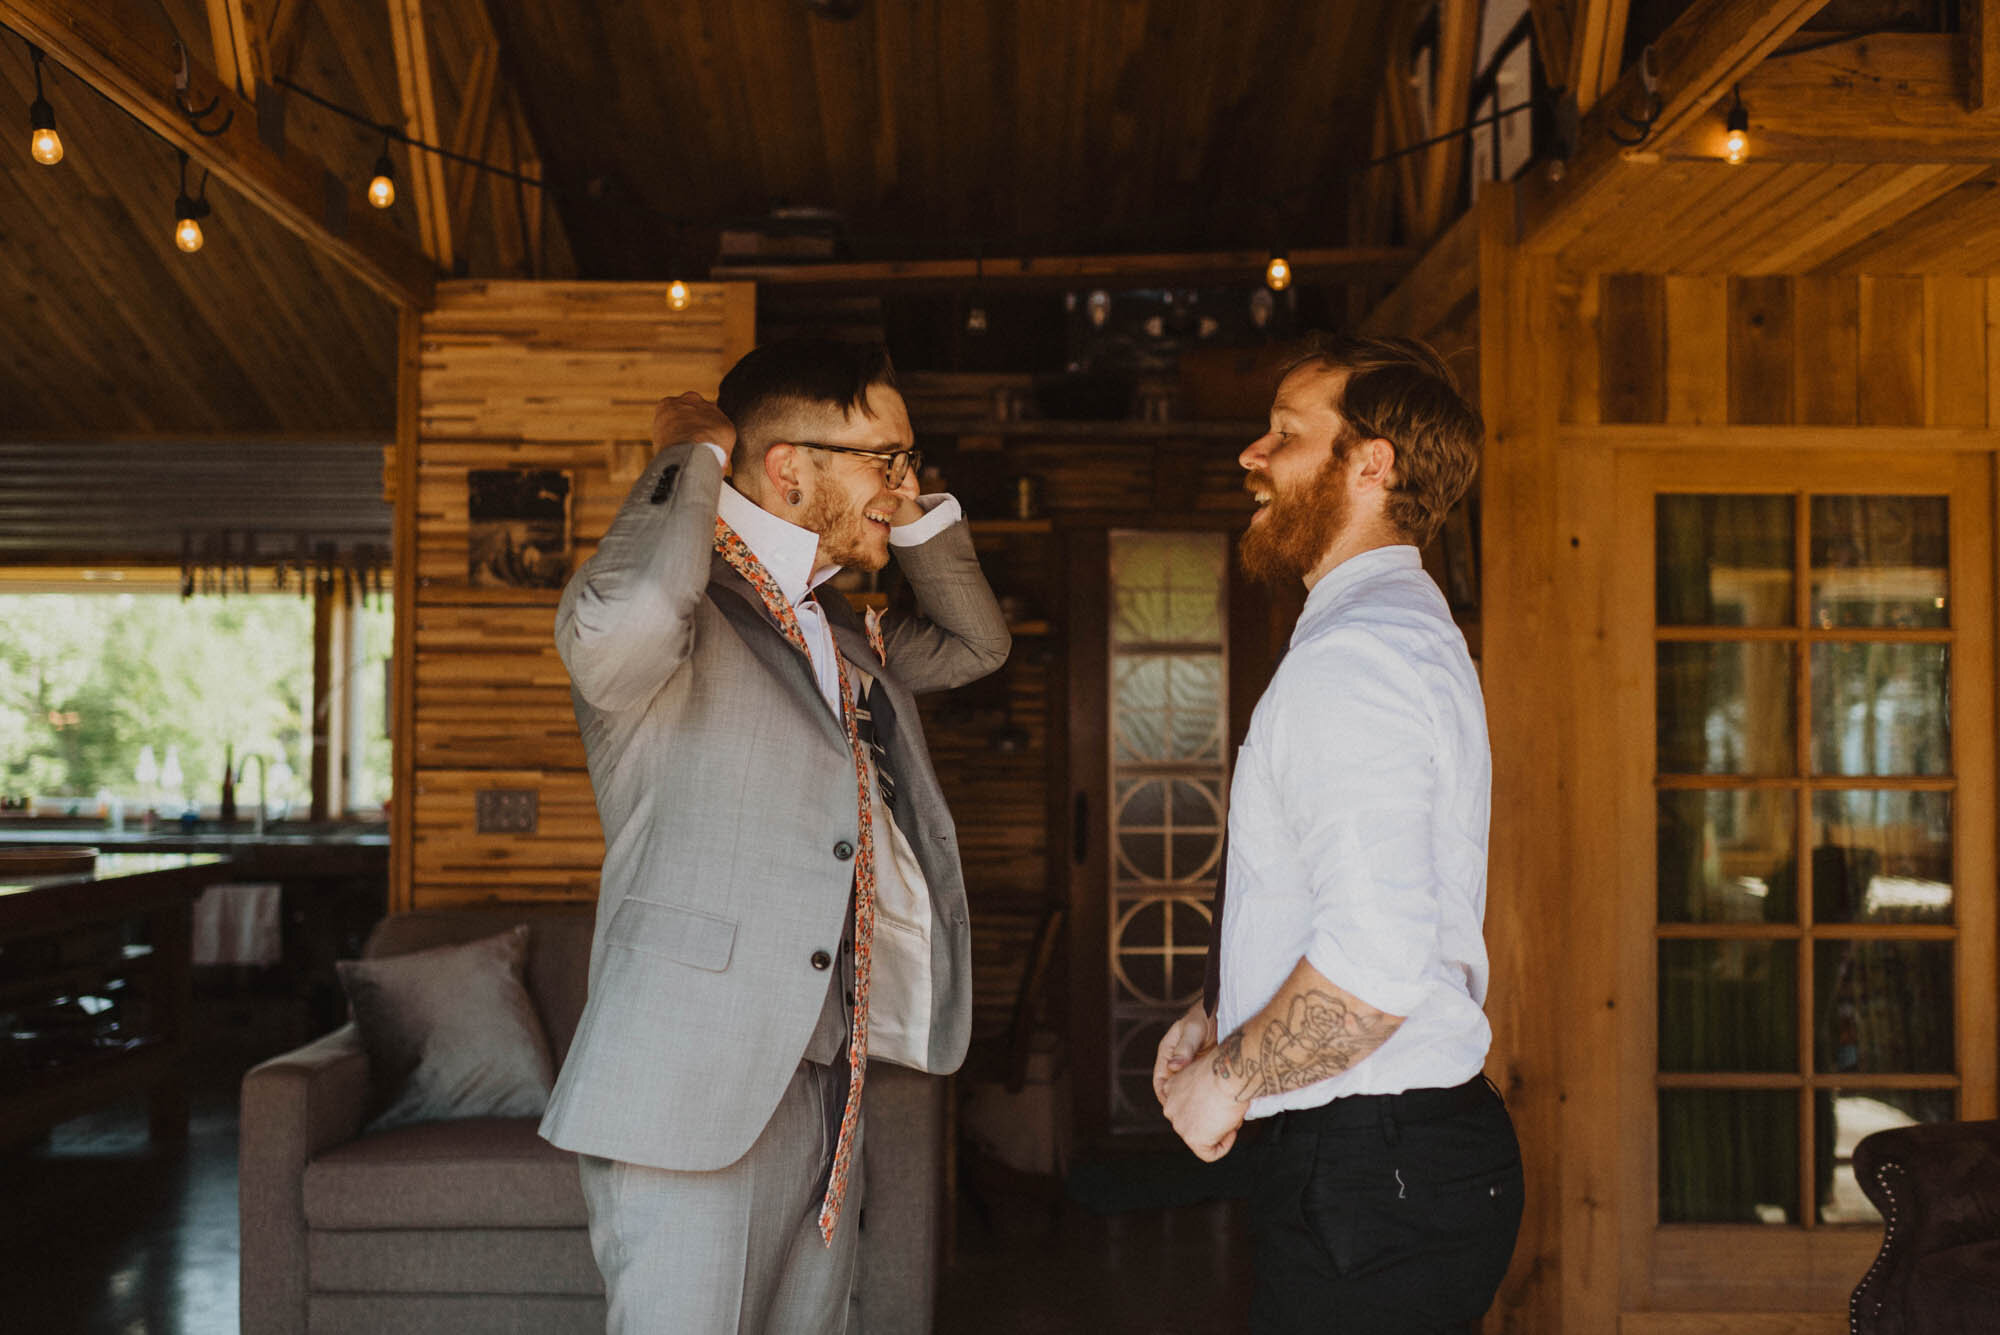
(103, 1232)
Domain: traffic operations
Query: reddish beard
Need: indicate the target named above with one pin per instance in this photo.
(1296, 528)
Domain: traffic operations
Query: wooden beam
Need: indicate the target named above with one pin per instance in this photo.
(1893, 97)
(1398, 100)
(1325, 265)
(238, 42)
(473, 132)
(1444, 164)
(284, 31)
(420, 121)
(1711, 46)
(1599, 50)
(1440, 283)
(136, 74)
(1982, 42)
(1553, 35)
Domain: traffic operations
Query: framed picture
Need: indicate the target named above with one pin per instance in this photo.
(519, 532)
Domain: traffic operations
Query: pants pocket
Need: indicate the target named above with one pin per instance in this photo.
(1369, 1217)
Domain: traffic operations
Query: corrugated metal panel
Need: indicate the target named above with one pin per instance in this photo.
(69, 502)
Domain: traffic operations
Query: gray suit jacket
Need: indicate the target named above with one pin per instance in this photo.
(726, 790)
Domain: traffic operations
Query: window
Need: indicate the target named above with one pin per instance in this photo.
(134, 698)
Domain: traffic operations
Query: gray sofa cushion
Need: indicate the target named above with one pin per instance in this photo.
(558, 971)
(455, 1260)
(451, 1031)
(480, 1172)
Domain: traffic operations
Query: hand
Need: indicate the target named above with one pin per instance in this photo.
(907, 509)
(1189, 1035)
(690, 417)
(1203, 1111)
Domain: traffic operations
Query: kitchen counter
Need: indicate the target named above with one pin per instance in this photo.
(168, 837)
(116, 934)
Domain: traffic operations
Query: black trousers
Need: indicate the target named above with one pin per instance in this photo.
(1389, 1214)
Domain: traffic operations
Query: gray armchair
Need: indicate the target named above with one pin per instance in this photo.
(478, 1226)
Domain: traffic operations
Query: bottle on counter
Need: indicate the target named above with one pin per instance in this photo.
(227, 811)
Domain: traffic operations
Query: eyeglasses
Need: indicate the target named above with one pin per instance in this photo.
(896, 464)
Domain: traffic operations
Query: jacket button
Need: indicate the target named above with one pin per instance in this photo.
(843, 850)
(822, 961)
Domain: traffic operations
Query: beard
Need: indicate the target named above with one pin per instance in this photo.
(846, 538)
(1291, 534)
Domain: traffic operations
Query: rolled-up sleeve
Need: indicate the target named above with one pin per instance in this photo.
(1355, 768)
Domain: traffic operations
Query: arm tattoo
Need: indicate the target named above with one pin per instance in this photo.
(1321, 1035)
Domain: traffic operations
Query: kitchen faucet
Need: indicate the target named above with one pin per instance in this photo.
(241, 771)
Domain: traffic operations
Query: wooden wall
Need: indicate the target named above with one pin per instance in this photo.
(1574, 368)
(517, 375)
(1778, 350)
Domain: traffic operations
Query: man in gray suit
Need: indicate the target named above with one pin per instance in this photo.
(781, 897)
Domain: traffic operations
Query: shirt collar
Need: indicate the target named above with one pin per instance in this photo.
(1354, 570)
(782, 547)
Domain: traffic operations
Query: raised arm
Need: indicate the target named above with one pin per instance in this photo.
(958, 634)
(625, 622)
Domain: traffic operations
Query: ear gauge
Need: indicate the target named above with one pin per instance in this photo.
(794, 496)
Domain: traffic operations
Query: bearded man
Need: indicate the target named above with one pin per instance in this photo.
(1352, 969)
(781, 898)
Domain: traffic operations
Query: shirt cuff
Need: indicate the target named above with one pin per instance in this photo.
(944, 511)
(721, 455)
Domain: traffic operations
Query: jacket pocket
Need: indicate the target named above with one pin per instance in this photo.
(699, 940)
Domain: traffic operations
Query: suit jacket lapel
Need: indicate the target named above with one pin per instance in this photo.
(743, 609)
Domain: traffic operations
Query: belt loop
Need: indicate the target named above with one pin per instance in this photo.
(1391, 1132)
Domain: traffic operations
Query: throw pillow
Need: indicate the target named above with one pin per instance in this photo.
(450, 1032)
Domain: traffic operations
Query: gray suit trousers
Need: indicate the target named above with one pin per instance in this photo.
(736, 1251)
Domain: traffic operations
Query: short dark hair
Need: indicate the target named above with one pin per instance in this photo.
(1400, 390)
(792, 373)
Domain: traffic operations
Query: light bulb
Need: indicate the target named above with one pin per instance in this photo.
(1278, 273)
(382, 189)
(187, 235)
(1736, 143)
(44, 142)
(975, 320)
(677, 295)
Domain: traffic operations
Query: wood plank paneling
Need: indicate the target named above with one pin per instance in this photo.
(1891, 361)
(1698, 325)
(1954, 351)
(1760, 351)
(1827, 333)
(521, 375)
(1632, 347)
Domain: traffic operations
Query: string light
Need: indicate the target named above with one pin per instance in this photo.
(43, 141)
(1736, 140)
(1278, 273)
(189, 211)
(382, 189)
(678, 296)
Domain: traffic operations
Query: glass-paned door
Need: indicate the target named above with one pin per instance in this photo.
(1168, 782)
(1820, 901)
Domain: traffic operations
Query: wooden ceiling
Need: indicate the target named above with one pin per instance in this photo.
(931, 126)
(111, 329)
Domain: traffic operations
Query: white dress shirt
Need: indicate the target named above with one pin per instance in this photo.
(899, 1011)
(1357, 829)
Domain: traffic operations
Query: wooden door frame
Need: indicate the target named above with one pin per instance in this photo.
(1260, 624)
(1790, 1269)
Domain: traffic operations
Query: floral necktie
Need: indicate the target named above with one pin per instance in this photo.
(745, 563)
